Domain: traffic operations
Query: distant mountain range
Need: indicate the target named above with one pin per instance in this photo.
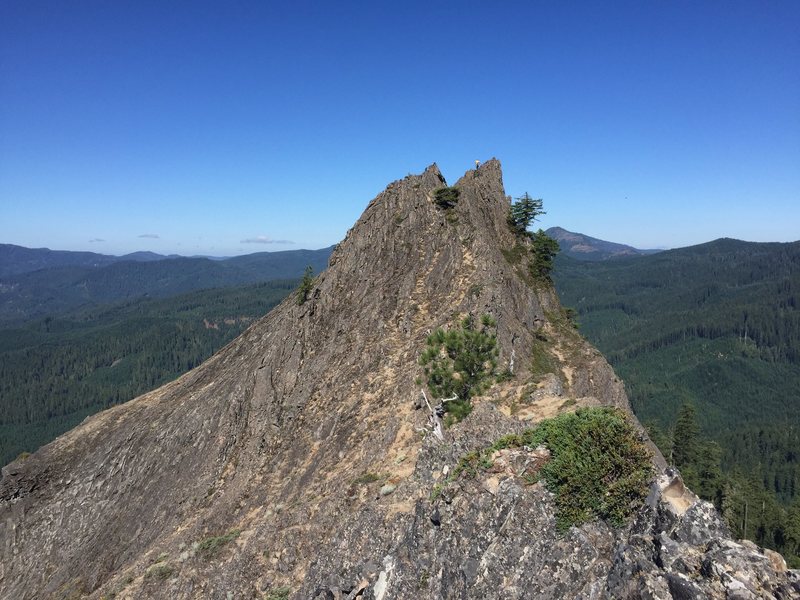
(40, 282)
(584, 247)
(18, 259)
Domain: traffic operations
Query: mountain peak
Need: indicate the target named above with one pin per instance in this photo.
(584, 247)
(303, 452)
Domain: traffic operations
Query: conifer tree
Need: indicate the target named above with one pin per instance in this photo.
(793, 534)
(306, 286)
(699, 461)
(659, 437)
(686, 438)
(543, 248)
(462, 362)
(709, 472)
(523, 213)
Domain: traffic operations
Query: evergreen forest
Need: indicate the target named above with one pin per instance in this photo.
(707, 340)
(56, 371)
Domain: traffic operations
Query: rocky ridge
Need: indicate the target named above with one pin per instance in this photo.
(299, 461)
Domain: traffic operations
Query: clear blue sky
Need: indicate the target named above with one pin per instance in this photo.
(200, 125)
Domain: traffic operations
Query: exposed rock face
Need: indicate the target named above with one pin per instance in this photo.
(298, 459)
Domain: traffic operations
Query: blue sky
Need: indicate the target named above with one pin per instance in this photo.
(233, 127)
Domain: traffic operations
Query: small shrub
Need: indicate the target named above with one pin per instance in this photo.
(437, 490)
(571, 316)
(515, 255)
(446, 197)
(281, 593)
(542, 362)
(599, 468)
(457, 410)
(72, 590)
(505, 375)
(159, 571)
(424, 578)
(211, 547)
(475, 290)
(366, 479)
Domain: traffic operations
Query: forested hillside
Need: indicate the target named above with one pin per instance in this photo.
(584, 247)
(56, 371)
(54, 290)
(19, 259)
(715, 327)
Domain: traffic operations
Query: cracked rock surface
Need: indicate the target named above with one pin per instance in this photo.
(299, 459)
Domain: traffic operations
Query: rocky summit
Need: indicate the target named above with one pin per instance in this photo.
(307, 459)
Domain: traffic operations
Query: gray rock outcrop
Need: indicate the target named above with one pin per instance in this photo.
(299, 462)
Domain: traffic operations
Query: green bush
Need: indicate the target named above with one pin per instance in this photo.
(515, 255)
(505, 375)
(161, 570)
(599, 466)
(366, 479)
(211, 547)
(446, 197)
(457, 410)
(281, 593)
(542, 362)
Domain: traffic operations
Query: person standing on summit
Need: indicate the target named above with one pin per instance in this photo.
(477, 164)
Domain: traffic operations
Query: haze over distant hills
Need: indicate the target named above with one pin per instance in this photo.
(40, 282)
(19, 259)
(584, 247)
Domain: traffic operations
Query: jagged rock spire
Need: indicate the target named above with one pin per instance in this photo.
(299, 452)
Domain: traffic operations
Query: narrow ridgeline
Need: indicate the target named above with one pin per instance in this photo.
(312, 459)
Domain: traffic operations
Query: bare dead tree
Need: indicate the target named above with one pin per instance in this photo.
(436, 414)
